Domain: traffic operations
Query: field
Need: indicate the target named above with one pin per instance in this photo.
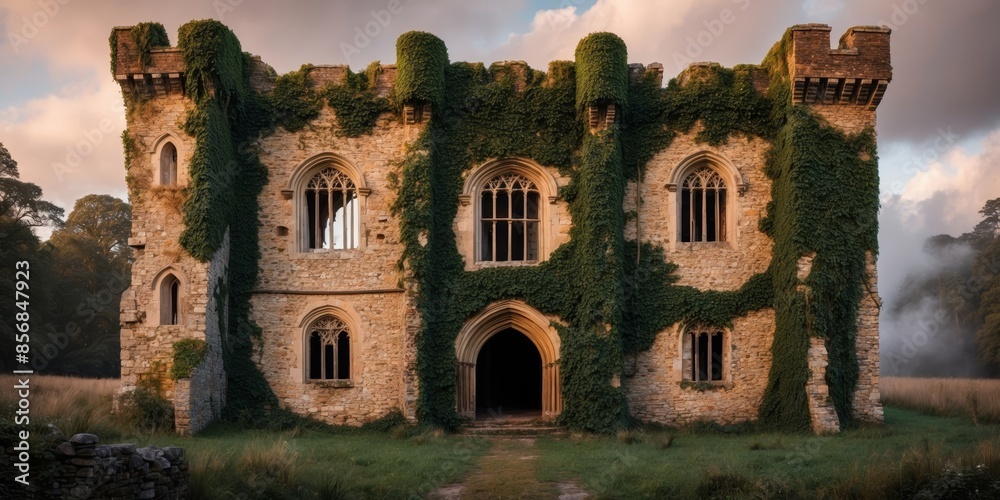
(939, 436)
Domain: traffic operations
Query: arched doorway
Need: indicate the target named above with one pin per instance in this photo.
(509, 377)
(516, 350)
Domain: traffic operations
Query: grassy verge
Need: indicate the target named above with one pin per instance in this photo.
(228, 461)
(909, 453)
(913, 454)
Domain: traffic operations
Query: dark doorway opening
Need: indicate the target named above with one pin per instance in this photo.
(509, 377)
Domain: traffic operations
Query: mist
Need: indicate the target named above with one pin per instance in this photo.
(929, 294)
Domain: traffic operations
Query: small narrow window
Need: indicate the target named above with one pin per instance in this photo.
(168, 165)
(170, 300)
(509, 219)
(329, 350)
(175, 291)
(706, 355)
(703, 207)
(332, 211)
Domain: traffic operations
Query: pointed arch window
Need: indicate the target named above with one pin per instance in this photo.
(329, 346)
(703, 199)
(332, 211)
(170, 300)
(509, 219)
(168, 165)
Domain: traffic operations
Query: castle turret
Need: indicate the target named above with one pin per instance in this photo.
(856, 73)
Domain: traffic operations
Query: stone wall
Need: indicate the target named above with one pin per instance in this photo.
(656, 393)
(157, 222)
(365, 288)
(867, 397)
(360, 286)
(86, 469)
(156, 227)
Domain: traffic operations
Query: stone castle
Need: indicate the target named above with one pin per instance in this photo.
(339, 319)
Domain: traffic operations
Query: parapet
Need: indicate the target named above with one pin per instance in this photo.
(856, 73)
(160, 74)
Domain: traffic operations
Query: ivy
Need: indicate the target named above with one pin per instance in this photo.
(226, 178)
(825, 201)
(146, 36)
(293, 100)
(602, 70)
(356, 103)
(421, 59)
(612, 305)
(188, 354)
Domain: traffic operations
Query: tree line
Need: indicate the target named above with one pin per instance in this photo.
(954, 303)
(76, 277)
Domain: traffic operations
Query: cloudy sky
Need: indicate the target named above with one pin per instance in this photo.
(939, 126)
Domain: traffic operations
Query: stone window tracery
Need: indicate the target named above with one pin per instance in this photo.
(703, 200)
(329, 349)
(509, 219)
(331, 206)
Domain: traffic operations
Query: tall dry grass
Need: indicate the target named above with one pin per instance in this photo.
(978, 399)
(72, 404)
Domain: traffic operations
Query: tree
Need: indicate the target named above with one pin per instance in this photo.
(93, 265)
(21, 204)
(21, 209)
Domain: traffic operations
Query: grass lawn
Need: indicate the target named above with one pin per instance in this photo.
(911, 453)
(226, 460)
(867, 462)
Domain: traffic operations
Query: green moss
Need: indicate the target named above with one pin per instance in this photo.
(601, 70)
(188, 354)
(421, 59)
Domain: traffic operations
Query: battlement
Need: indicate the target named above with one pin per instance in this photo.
(856, 73)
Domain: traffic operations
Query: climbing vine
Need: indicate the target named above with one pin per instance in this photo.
(188, 354)
(356, 103)
(293, 100)
(226, 176)
(612, 307)
(824, 201)
(612, 304)
(146, 36)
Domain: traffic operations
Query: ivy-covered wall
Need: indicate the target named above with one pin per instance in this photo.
(613, 296)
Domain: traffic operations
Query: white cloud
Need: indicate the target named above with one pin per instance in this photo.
(69, 143)
(643, 24)
(948, 194)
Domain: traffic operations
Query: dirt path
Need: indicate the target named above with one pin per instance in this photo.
(508, 471)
